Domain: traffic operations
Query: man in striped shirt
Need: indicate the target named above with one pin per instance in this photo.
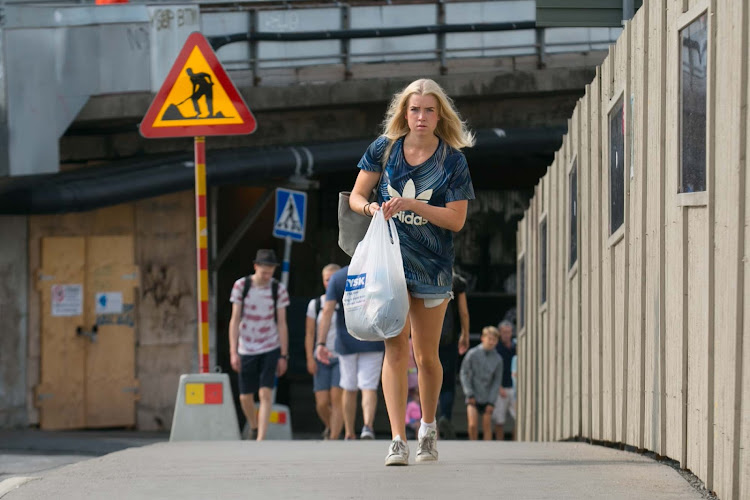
(259, 338)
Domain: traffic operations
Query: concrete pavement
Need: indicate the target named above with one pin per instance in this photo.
(337, 469)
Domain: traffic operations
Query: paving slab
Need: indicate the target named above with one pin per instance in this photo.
(331, 470)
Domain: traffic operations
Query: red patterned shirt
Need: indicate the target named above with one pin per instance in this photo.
(258, 331)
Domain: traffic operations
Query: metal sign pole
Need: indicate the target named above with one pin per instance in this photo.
(285, 264)
(201, 241)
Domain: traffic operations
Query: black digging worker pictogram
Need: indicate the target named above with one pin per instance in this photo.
(202, 86)
(290, 220)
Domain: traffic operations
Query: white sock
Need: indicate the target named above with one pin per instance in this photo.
(424, 427)
(397, 438)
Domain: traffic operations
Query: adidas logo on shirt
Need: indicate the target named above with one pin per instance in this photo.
(410, 192)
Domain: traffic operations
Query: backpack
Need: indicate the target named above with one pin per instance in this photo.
(274, 293)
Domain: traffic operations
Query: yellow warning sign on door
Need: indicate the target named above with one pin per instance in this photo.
(197, 98)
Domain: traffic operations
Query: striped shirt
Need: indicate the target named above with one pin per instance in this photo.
(258, 331)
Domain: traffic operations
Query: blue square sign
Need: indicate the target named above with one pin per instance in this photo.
(291, 209)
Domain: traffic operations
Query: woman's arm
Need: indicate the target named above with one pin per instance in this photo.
(452, 216)
(363, 186)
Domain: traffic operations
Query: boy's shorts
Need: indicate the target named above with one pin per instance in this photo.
(327, 376)
(481, 407)
(258, 370)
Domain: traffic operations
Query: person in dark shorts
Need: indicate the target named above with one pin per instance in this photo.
(454, 341)
(259, 338)
(481, 376)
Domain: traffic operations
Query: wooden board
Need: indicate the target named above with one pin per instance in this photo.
(111, 386)
(60, 393)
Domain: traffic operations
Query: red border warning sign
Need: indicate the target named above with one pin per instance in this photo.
(197, 98)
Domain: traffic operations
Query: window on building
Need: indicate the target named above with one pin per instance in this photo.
(543, 262)
(694, 62)
(522, 293)
(616, 167)
(573, 193)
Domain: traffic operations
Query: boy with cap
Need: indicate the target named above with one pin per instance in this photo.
(258, 337)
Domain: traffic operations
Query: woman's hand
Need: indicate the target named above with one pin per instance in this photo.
(372, 207)
(398, 204)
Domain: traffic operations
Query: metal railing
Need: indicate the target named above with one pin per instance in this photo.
(264, 49)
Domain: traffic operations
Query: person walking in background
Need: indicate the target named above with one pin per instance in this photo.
(413, 413)
(360, 362)
(259, 338)
(481, 376)
(507, 349)
(426, 188)
(454, 341)
(326, 385)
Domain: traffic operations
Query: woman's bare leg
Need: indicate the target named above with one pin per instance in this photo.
(395, 387)
(427, 324)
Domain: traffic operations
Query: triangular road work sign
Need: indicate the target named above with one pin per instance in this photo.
(197, 98)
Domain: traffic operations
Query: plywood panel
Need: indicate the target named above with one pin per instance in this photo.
(744, 452)
(545, 342)
(621, 254)
(654, 132)
(729, 157)
(697, 325)
(607, 266)
(533, 319)
(675, 259)
(111, 386)
(557, 238)
(597, 364)
(60, 394)
(636, 230)
(584, 190)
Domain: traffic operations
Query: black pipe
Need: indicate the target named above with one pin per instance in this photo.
(130, 180)
(269, 36)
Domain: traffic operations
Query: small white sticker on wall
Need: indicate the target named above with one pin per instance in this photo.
(67, 300)
(109, 303)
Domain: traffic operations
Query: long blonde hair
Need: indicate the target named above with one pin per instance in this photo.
(450, 127)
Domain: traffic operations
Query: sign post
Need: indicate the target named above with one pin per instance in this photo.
(289, 223)
(198, 99)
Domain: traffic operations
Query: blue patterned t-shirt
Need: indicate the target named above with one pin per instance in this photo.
(426, 249)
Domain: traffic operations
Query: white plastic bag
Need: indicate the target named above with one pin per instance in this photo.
(376, 301)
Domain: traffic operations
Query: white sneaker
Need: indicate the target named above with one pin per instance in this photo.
(398, 453)
(427, 448)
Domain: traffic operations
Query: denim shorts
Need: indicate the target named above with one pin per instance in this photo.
(422, 291)
(327, 376)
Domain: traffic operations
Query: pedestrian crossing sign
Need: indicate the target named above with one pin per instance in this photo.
(291, 208)
(197, 98)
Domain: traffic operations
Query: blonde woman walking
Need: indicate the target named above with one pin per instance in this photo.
(425, 188)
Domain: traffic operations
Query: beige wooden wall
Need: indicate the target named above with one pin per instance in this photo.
(645, 340)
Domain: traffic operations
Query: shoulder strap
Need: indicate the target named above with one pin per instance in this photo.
(317, 313)
(275, 296)
(246, 288)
